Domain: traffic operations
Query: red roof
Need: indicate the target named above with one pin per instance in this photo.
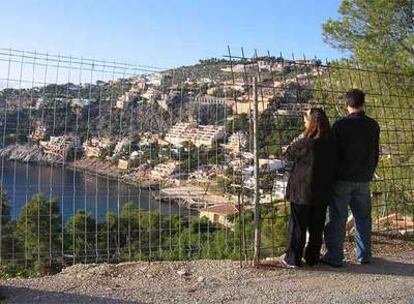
(221, 209)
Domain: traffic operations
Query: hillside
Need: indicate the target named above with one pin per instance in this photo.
(159, 99)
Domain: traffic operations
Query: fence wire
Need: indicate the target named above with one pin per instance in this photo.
(106, 162)
(287, 87)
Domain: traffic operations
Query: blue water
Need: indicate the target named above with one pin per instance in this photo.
(74, 190)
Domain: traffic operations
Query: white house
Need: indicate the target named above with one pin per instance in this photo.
(279, 187)
(271, 165)
(154, 79)
(81, 102)
(151, 94)
(120, 145)
(265, 166)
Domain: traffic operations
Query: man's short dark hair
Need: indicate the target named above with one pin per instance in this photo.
(355, 98)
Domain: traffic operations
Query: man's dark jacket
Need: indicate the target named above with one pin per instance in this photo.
(313, 172)
(357, 139)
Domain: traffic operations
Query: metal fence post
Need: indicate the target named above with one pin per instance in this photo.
(256, 178)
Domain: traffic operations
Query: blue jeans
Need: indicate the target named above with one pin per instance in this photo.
(357, 196)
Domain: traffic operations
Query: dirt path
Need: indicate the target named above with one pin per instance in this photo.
(389, 279)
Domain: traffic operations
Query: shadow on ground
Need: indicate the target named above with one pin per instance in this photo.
(379, 266)
(27, 295)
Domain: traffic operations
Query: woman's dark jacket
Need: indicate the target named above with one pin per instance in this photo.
(313, 171)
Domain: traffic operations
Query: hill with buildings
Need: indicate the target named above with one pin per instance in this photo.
(212, 92)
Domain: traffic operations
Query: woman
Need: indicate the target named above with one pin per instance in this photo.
(314, 163)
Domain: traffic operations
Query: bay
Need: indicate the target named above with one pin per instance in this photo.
(74, 190)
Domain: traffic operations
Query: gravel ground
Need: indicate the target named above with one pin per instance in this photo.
(389, 279)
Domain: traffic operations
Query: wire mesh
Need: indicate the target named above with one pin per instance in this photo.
(108, 161)
(287, 87)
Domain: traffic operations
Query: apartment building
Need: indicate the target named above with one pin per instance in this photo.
(199, 135)
(210, 100)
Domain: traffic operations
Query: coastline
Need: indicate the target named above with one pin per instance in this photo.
(184, 194)
(93, 166)
(90, 166)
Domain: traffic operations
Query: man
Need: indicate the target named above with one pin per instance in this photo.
(357, 140)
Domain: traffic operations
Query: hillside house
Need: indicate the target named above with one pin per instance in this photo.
(61, 146)
(81, 102)
(154, 79)
(236, 142)
(209, 100)
(123, 164)
(149, 138)
(279, 188)
(139, 84)
(120, 145)
(208, 134)
(123, 101)
(165, 101)
(164, 170)
(94, 146)
(39, 132)
(271, 165)
(151, 94)
(219, 214)
(265, 166)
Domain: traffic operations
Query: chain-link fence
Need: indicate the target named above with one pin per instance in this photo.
(107, 161)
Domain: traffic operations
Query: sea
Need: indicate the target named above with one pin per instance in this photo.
(74, 190)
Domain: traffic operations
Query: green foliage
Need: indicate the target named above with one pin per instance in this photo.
(387, 102)
(151, 154)
(378, 33)
(38, 230)
(130, 235)
(192, 157)
(15, 270)
(238, 123)
(213, 61)
(6, 224)
(5, 207)
(107, 151)
(272, 227)
(212, 114)
(275, 131)
(80, 235)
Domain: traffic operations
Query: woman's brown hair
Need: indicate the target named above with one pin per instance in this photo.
(319, 126)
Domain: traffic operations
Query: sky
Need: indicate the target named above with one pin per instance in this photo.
(167, 33)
